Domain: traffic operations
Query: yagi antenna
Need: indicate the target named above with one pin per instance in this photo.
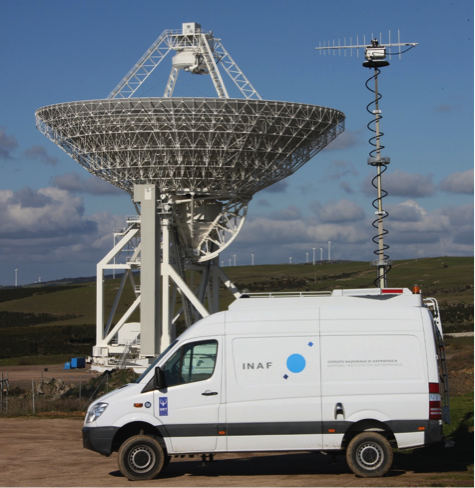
(327, 46)
(375, 55)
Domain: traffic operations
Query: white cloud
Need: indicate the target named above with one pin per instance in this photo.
(39, 153)
(49, 226)
(339, 169)
(290, 213)
(444, 108)
(7, 145)
(49, 211)
(338, 212)
(401, 184)
(462, 220)
(307, 188)
(279, 187)
(345, 140)
(408, 211)
(346, 187)
(459, 182)
(263, 202)
(447, 229)
(93, 185)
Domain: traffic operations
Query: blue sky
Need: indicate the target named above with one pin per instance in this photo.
(56, 220)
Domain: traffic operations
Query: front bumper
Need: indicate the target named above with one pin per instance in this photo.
(99, 439)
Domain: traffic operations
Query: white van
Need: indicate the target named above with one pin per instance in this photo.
(353, 370)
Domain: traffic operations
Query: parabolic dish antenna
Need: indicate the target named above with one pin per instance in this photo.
(207, 146)
(196, 162)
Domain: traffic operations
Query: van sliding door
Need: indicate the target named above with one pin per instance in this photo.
(273, 392)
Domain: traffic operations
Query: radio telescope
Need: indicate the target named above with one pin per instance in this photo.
(191, 166)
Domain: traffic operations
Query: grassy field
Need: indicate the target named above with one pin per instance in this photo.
(43, 321)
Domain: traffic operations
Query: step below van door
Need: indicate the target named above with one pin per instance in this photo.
(273, 393)
(189, 407)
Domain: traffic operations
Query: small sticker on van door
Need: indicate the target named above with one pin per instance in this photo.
(163, 406)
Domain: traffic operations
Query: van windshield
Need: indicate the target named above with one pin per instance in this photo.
(156, 361)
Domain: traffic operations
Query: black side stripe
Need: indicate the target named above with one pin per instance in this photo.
(274, 428)
(284, 428)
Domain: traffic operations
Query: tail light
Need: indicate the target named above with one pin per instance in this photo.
(435, 402)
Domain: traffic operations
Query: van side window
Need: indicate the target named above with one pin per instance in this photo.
(192, 362)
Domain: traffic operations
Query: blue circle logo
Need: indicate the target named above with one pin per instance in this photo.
(296, 363)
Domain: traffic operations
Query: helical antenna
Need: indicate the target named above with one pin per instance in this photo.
(382, 262)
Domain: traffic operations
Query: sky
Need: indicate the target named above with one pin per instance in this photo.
(56, 220)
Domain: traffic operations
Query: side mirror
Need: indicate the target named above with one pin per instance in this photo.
(160, 379)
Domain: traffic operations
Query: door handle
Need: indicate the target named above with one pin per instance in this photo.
(339, 410)
(209, 393)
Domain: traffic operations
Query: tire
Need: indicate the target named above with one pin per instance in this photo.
(141, 458)
(369, 455)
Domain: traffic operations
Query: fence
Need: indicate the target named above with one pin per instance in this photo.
(55, 395)
(4, 388)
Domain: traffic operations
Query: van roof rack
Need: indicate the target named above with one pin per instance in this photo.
(334, 293)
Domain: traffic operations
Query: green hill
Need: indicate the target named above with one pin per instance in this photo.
(60, 320)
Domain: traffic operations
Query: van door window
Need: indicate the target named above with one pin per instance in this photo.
(192, 362)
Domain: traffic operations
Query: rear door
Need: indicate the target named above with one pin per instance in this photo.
(373, 367)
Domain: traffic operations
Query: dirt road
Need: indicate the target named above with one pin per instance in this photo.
(48, 452)
(22, 375)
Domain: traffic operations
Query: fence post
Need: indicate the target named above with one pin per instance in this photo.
(33, 395)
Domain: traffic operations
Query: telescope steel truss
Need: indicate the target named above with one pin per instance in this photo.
(191, 166)
(207, 52)
(205, 146)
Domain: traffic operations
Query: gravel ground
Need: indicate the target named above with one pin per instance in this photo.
(48, 452)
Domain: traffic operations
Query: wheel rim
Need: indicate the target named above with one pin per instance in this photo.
(370, 456)
(141, 459)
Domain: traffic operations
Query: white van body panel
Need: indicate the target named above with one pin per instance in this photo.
(121, 411)
(293, 373)
(407, 440)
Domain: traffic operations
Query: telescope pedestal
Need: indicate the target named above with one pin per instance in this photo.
(160, 258)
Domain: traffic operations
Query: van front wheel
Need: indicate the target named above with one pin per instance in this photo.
(140, 458)
(369, 455)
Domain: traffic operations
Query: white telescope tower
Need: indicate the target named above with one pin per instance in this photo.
(191, 166)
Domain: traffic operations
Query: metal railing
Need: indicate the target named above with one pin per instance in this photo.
(288, 294)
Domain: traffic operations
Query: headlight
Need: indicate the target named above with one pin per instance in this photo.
(95, 412)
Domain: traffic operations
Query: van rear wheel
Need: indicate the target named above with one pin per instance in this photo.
(369, 455)
(141, 458)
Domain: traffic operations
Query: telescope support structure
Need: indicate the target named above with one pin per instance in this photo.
(163, 280)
